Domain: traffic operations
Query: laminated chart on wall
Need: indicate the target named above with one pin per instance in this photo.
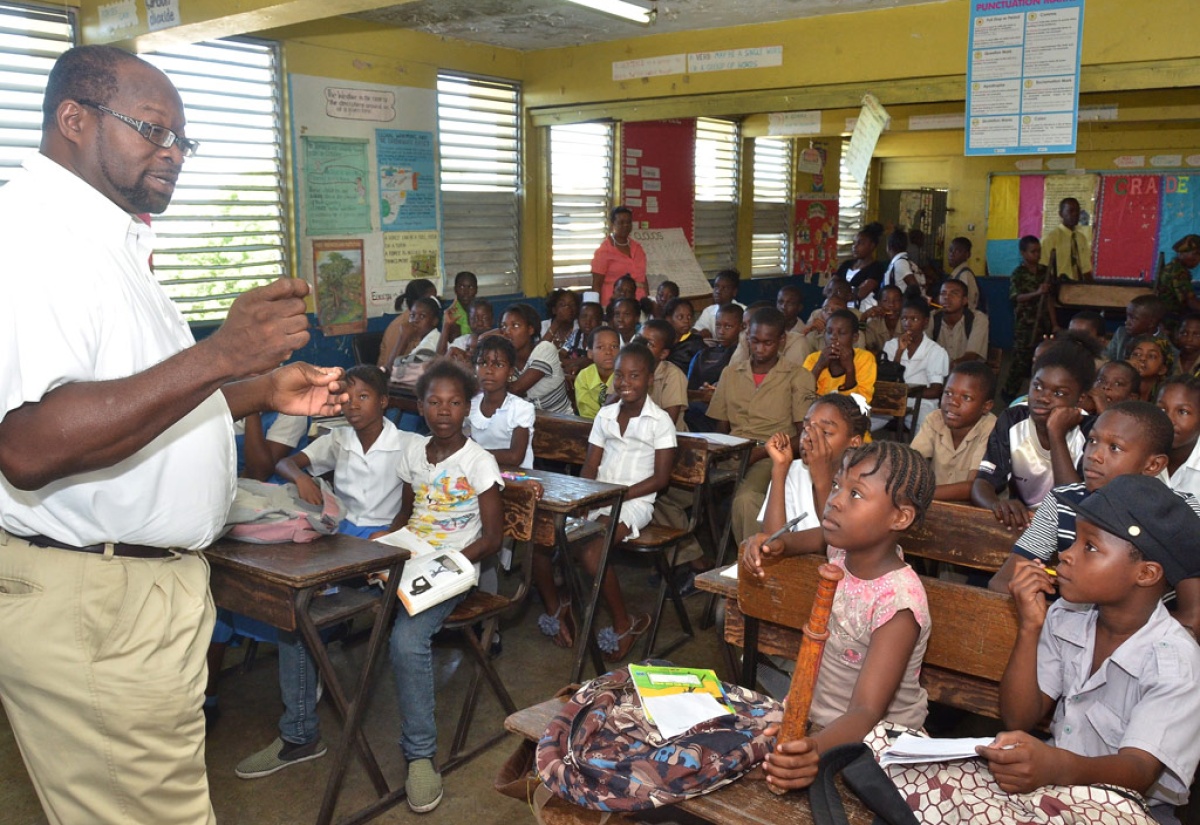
(1133, 218)
(1023, 76)
(336, 186)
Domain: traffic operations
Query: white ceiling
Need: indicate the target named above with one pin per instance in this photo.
(528, 25)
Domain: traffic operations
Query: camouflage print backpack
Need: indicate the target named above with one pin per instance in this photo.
(600, 752)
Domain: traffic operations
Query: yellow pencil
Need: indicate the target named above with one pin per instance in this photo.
(1050, 571)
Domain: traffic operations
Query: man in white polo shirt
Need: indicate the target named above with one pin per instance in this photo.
(117, 452)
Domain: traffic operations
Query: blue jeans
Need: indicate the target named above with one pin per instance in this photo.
(412, 663)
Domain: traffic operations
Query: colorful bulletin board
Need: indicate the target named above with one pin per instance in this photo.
(816, 234)
(1133, 217)
(658, 173)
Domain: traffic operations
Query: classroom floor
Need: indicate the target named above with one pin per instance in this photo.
(532, 668)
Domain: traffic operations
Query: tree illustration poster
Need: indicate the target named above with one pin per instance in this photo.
(341, 286)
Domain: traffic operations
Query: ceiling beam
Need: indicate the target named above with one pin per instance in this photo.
(210, 19)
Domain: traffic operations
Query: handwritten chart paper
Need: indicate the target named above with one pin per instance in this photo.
(1023, 76)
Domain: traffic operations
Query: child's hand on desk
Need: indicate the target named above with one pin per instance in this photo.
(309, 490)
(1021, 763)
(1029, 586)
(1011, 513)
(754, 552)
(792, 765)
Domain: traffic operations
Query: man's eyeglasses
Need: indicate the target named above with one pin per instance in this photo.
(158, 135)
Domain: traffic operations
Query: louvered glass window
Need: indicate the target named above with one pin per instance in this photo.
(715, 222)
(226, 230)
(580, 178)
(852, 205)
(479, 150)
(31, 39)
(772, 205)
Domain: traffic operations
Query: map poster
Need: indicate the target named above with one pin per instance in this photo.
(816, 234)
(1023, 76)
(407, 189)
(408, 255)
(341, 286)
(336, 200)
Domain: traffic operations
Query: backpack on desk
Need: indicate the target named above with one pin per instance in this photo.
(275, 514)
(600, 751)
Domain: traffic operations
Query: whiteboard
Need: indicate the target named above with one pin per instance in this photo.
(669, 257)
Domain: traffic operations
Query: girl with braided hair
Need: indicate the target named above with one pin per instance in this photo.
(879, 625)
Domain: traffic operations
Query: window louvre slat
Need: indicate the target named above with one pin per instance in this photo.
(773, 159)
(852, 206)
(714, 229)
(581, 157)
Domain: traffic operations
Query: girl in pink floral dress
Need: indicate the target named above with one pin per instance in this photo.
(879, 625)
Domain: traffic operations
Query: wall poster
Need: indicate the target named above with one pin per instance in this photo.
(341, 287)
(336, 197)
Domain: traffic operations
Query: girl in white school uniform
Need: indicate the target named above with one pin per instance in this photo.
(834, 424)
(500, 422)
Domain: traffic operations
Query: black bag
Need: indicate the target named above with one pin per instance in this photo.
(862, 774)
(889, 370)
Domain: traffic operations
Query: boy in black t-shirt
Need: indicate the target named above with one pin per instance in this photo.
(706, 367)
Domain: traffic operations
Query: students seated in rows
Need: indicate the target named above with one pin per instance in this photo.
(419, 340)
(837, 299)
(1036, 442)
(957, 256)
(962, 332)
(790, 301)
(623, 317)
(881, 323)
(879, 624)
(500, 422)
(539, 370)
(955, 436)
(755, 400)
(709, 363)
(1132, 437)
(724, 291)
(563, 308)
(1091, 323)
(1153, 358)
(363, 459)
(669, 386)
(835, 423)
(1187, 341)
(1143, 316)
(925, 363)
(1179, 398)
(901, 272)
(627, 287)
(594, 384)
(452, 500)
(1032, 302)
(840, 366)
(794, 348)
(680, 314)
(483, 320)
(1115, 382)
(667, 292)
(1117, 671)
(416, 288)
(456, 317)
(632, 443)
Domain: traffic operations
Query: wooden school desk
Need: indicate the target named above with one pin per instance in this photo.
(276, 583)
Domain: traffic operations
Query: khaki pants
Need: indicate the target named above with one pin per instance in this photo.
(102, 670)
(670, 510)
(748, 500)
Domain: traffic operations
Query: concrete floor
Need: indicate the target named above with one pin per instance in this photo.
(531, 666)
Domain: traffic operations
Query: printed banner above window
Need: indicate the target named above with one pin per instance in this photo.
(1023, 76)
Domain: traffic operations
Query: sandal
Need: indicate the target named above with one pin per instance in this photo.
(616, 647)
(560, 627)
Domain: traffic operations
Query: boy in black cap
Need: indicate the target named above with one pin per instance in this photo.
(1126, 671)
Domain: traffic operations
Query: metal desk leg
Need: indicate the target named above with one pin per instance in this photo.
(708, 617)
(587, 640)
(352, 710)
(749, 652)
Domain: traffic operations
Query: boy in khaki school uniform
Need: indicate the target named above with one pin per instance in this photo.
(954, 437)
(756, 399)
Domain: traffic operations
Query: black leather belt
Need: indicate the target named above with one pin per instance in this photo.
(134, 551)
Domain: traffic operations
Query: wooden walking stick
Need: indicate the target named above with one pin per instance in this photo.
(808, 660)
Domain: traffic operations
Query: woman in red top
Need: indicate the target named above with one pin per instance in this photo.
(618, 255)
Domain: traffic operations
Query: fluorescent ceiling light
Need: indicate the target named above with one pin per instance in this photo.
(638, 12)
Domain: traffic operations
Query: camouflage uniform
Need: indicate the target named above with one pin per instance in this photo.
(1022, 281)
(1174, 286)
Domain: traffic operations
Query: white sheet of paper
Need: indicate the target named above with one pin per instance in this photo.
(730, 572)
(909, 749)
(680, 713)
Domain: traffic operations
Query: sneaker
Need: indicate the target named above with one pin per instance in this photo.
(277, 756)
(423, 786)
